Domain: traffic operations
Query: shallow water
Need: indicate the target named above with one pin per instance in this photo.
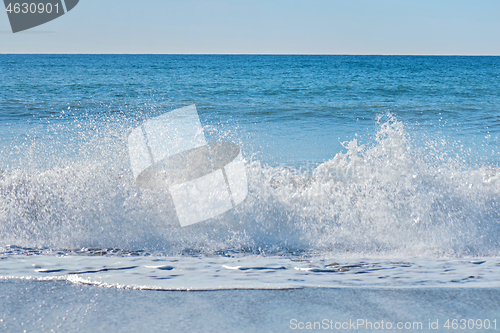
(363, 173)
(59, 306)
(251, 272)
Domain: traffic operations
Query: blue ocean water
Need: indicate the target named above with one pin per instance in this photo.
(363, 171)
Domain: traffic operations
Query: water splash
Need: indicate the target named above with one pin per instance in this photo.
(387, 198)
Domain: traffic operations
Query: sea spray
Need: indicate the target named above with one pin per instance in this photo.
(384, 198)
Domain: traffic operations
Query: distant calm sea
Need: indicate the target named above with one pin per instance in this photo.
(363, 171)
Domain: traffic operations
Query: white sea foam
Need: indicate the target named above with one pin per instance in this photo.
(251, 272)
(388, 198)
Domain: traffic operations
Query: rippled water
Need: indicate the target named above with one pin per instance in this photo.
(363, 171)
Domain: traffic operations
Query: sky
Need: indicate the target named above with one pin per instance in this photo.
(430, 27)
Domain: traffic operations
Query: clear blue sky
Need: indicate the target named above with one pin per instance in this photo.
(266, 27)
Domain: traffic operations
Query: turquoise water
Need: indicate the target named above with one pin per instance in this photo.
(364, 172)
(364, 154)
(311, 102)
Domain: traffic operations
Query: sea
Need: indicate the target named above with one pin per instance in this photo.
(373, 195)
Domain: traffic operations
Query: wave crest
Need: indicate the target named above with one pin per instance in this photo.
(386, 198)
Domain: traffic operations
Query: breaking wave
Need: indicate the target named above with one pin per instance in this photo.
(391, 197)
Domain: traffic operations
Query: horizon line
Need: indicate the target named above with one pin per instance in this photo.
(265, 54)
